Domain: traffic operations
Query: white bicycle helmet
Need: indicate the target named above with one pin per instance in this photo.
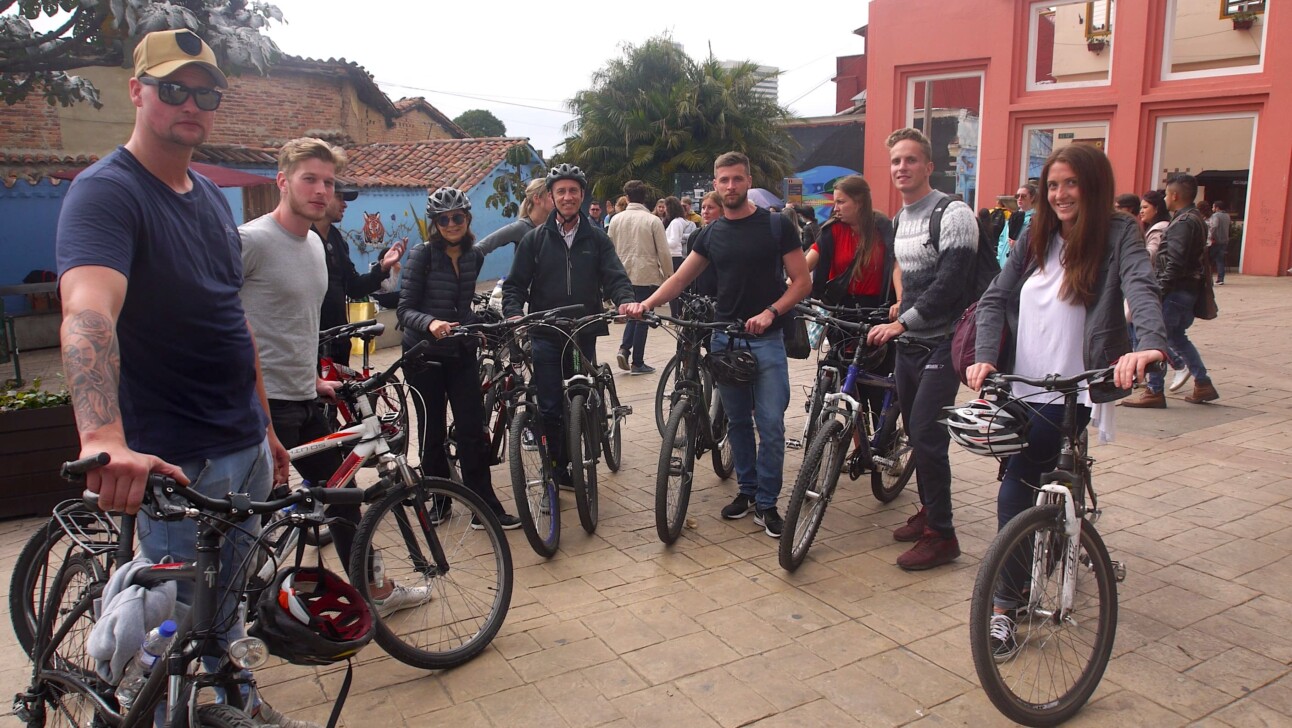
(984, 428)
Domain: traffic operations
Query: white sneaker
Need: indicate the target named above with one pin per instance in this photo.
(402, 597)
(266, 715)
(1179, 379)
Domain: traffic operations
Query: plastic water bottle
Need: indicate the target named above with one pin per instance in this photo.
(154, 646)
(495, 298)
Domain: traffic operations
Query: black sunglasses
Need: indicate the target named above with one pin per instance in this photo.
(446, 219)
(175, 94)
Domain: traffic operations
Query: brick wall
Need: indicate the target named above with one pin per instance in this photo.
(415, 126)
(32, 124)
(259, 109)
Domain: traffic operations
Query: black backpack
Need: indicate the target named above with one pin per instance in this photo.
(985, 268)
(998, 222)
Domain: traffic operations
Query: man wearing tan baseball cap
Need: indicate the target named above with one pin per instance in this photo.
(157, 348)
(164, 52)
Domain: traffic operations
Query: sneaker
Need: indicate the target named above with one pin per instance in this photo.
(1203, 392)
(441, 511)
(933, 549)
(913, 529)
(545, 502)
(1146, 400)
(642, 369)
(770, 520)
(1001, 637)
(622, 359)
(738, 507)
(1220, 283)
(1179, 379)
(564, 480)
(400, 598)
(508, 521)
(264, 714)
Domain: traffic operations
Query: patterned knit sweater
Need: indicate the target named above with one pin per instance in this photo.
(935, 280)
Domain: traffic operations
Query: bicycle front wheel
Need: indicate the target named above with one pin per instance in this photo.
(612, 435)
(813, 490)
(433, 561)
(676, 472)
(816, 401)
(532, 484)
(582, 446)
(724, 462)
(665, 391)
(1038, 664)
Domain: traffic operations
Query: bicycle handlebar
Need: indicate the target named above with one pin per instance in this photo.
(731, 327)
(1053, 382)
(362, 329)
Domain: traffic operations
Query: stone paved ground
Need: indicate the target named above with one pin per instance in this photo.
(620, 630)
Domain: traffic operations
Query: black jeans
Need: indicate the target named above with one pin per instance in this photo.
(552, 365)
(926, 382)
(675, 306)
(299, 422)
(454, 381)
(634, 340)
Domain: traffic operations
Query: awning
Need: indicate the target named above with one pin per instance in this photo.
(221, 176)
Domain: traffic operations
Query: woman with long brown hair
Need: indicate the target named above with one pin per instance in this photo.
(1060, 298)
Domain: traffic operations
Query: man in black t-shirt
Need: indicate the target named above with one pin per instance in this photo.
(751, 250)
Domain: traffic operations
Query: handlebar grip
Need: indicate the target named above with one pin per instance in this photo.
(343, 496)
(85, 465)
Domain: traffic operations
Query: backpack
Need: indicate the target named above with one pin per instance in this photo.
(986, 267)
(998, 220)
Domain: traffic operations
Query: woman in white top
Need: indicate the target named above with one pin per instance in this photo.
(676, 230)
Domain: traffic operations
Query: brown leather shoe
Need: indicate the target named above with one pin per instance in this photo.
(913, 529)
(933, 549)
(1146, 399)
(1203, 392)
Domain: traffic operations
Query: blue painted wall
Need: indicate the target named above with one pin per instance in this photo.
(28, 219)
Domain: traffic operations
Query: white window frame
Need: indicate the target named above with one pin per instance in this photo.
(1168, 41)
(1158, 131)
(982, 89)
(1029, 128)
(1033, 29)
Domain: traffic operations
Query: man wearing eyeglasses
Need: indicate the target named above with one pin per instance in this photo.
(157, 350)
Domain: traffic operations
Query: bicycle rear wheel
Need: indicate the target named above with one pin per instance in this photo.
(812, 492)
(676, 473)
(532, 484)
(1040, 667)
(444, 553)
(825, 384)
(612, 435)
(390, 404)
(583, 447)
(724, 462)
(887, 481)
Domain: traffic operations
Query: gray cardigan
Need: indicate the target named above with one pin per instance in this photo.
(1125, 274)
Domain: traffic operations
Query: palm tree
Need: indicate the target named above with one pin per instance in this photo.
(655, 112)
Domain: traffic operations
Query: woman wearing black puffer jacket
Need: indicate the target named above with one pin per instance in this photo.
(439, 280)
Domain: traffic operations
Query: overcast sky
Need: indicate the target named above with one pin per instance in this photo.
(523, 60)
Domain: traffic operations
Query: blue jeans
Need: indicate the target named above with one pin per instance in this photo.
(635, 331)
(553, 363)
(1177, 314)
(244, 471)
(760, 469)
(1172, 358)
(1217, 252)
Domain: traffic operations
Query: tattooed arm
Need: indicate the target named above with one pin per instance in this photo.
(92, 299)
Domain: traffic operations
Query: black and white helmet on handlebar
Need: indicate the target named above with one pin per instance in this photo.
(446, 199)
(984, 428)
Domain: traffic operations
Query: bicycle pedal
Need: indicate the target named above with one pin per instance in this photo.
(883, 462)
(1119, 571)
(29, 708)
(793, 444)
(623, 410)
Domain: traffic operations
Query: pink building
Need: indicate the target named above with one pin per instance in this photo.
(1194, 86)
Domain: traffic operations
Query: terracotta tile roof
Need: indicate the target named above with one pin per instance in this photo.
(460, 163)
(35, 164)
(232, 155)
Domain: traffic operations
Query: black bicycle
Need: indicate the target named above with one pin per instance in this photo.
(1043, 617)
(694, 308)
(878, 440)
(697, 424)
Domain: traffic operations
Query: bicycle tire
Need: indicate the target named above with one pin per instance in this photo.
(224, 716)
(724, 461)
(582, 446)
(532, 484)
(816, 402)
(668, 377)
(887, 483)
(390, 404)
(468, 598)
(32, 578)
(71, 604)
(813, 488)
(495, 408)
(676, 473)
(1040, 640)
(612, 434)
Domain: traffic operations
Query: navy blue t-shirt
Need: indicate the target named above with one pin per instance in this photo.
(749, 263)
(188, 368)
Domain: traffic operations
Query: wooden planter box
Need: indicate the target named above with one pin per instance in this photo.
(33, 444)
(1244, 24)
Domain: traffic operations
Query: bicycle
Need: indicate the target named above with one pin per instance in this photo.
(696, 424)
(694, 308)
(828, 374)
(1044, 606)
(391, 403)
(846, 417)
(64, 679)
